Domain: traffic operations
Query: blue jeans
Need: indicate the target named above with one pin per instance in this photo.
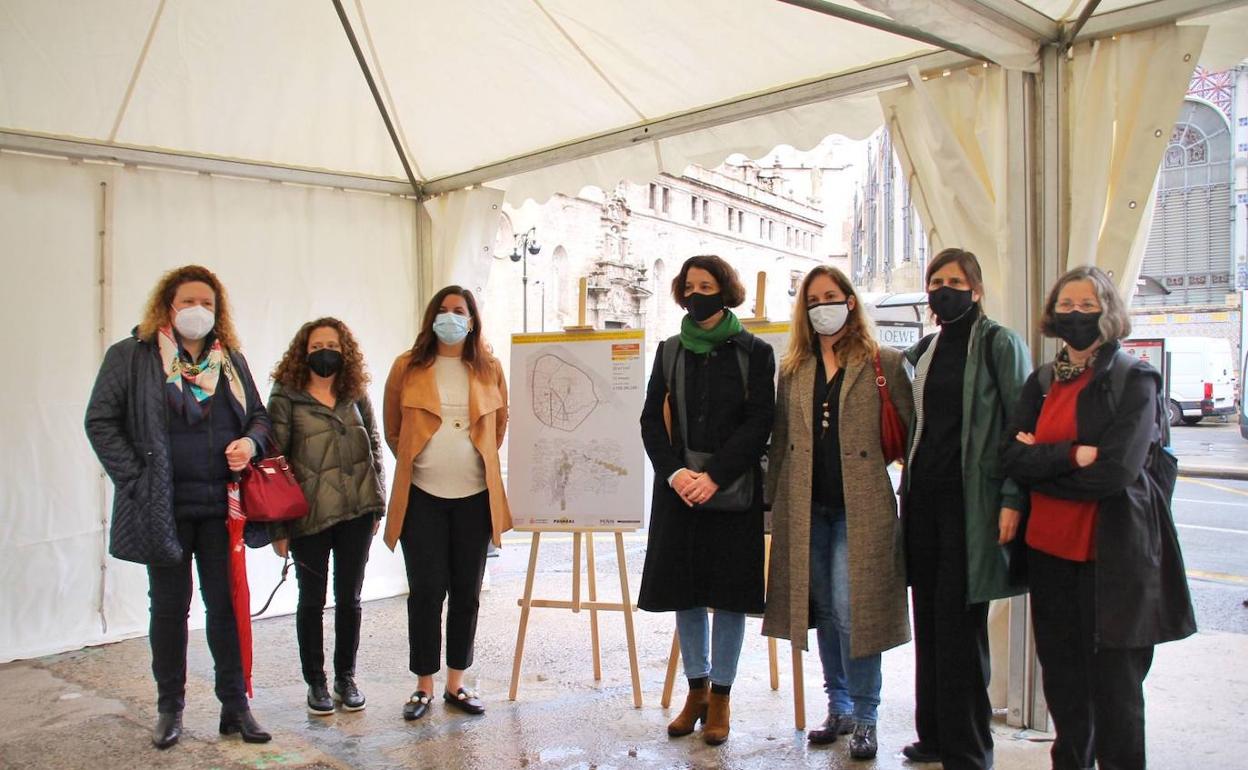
(707, 653)
(852, 684)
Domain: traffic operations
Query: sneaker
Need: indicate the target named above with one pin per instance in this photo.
(833, 726)
(863, 743)
(346, 693)
(319, 702)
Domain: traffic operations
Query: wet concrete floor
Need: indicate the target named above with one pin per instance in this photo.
(93, 708)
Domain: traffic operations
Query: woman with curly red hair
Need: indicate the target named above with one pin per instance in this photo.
(173, 414)
(323, 423)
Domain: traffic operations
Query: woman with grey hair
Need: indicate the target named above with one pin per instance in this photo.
(1106, 573)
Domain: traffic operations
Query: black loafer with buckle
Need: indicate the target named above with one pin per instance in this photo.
(465, 701)
(417, 706)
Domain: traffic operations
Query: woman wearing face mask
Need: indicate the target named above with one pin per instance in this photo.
(1107, 579)
(323, 424)
(714, 382)
(445, 414)
(836, 559)
(173, 415)
(959, 510)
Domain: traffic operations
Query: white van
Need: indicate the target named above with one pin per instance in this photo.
(1202, 378)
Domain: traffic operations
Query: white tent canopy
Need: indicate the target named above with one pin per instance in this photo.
(409, 100)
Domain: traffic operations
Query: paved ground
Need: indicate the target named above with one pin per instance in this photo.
(1211, 445)
(93, 708)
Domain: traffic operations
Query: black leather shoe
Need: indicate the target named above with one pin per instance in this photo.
(863, 743)
(346, 693)
(919, 752)
(319, 702)
(417, 706)
(833, 726)
(465, 701)
(168, 730)
(243, 723)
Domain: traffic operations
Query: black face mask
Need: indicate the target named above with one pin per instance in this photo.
(325, 362)
(703, 306)
(949, 304)
(1079, 330)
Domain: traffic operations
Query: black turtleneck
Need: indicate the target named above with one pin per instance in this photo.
(938, 461)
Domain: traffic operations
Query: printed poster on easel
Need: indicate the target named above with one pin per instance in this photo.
(575, 457)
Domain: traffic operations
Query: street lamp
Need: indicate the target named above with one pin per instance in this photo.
(526, 244)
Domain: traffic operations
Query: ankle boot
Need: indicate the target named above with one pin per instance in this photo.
(245, 724)
(168, 729)
(687, 719)
(715, 727)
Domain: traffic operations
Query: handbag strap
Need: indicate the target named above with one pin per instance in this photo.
(881, 382)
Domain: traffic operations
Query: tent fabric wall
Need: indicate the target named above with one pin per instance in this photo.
(286, 254)
(950, 137)
(1126, 94)
(464, 225)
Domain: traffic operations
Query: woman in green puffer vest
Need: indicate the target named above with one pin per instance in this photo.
(323, 423)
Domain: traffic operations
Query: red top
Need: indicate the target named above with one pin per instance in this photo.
(1062, 528)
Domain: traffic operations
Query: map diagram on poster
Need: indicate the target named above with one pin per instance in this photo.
(575, 456)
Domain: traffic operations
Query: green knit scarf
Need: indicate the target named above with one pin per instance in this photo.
(695, 339)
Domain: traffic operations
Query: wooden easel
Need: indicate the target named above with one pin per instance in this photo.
(625, 605)
(799, 685)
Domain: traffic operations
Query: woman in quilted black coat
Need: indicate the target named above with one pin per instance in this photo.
(173, 415)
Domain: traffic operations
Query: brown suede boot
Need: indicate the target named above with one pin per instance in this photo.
(687, 719)
(715, 727)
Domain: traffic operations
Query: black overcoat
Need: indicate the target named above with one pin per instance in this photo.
(699, 558)
(127, 423)
(1142, 597)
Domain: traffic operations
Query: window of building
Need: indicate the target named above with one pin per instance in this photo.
(771, 232)
(762, 229)
(654, 197)
(706, 211)
(693, 208)
(740, 221)
(788, 237)
(1189, 245)
(667, 200)
(732, 218)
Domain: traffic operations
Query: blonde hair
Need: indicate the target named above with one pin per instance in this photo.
(856, 344)
(156, 315)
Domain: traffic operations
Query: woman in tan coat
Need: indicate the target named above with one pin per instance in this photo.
(445, 415)
(836, 560)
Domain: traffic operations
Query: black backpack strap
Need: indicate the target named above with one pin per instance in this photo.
(923, 345)
(1044, 377)
(671, 349)
(744, 343)
(990, 359)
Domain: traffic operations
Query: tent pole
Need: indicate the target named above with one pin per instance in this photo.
(884, 24)
(104, 298)
(372, 86)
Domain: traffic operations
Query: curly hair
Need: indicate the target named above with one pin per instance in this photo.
(292, 371)
(157, 312)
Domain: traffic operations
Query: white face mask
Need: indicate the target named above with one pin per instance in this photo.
(194, 323)
(829, 317)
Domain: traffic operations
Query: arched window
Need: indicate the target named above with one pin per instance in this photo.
(1189, 244)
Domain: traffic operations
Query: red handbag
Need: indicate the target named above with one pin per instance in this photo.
(270, 491)
(892, 432)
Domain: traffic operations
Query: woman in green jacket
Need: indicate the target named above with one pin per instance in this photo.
(323, 424)
(958, 511)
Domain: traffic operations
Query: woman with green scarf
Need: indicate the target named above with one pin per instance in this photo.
(705, 425)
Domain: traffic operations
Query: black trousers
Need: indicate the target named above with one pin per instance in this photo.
(1096, 696)
(169, 588)
(444, 546)
(349, 542)
(953, 714)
